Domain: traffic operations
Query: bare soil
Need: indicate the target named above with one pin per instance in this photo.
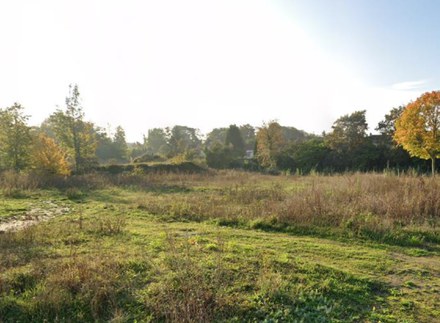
(34, 216)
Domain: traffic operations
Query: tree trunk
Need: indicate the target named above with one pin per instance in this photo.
(433, 166)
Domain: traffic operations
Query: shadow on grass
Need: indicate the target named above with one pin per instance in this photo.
(114, 196)
(428, 241)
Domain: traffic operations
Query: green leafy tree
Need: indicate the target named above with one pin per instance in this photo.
(235, 141)
(137, 149)
(309, 155)
(248, 135)
(111, 149)
(349, 132)
(120, 145)
(393, 155)
(157, 142)
(104, 146)
(387, 126)
(293, 135)
(216, 137)
(347, 142)
(184, 141)
(77, 136)
(219, 156)
(418, 128)
(15, 138)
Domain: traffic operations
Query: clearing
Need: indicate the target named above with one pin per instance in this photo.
(184, 248)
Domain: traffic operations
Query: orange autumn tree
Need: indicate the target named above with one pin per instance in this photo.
(49, 158)
(418, 128)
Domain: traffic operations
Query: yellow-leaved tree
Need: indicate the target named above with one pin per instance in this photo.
(49, 158)
(418, 127)
(270, 142)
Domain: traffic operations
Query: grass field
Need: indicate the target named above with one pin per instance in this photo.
(222, 246)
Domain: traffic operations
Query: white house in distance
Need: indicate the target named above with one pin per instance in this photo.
(249, 154)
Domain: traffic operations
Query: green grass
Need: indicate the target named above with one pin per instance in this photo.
(161, 254)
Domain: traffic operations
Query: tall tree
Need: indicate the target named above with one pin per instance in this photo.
(309, 155)
(248, 135)
(104, 146)
(393, 155)
(293, 135)
(349, 132)
(235, 141)
(120, 144)
(157, 142)
(183, 140)
(270, 143)
(418, 128)
(387, 126)
(348, 142)
(137, 149)
(216, 137)
(75, 134)
(219, 156)
(15, 138)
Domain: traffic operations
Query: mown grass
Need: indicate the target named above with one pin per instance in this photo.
(228, 246)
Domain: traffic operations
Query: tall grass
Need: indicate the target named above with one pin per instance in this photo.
(372, 205)
(102, 268)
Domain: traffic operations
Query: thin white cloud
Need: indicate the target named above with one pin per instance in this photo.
(409, 86)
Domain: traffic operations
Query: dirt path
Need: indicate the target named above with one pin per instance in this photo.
(35, 215)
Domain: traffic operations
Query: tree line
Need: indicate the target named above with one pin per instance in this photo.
(65, 142)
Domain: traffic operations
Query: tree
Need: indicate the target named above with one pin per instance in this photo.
(47, 157)
(347, 141)
(393, 155)
(270, 143)
(387, 127)
(120, 145)
(137, 149)
(111, 149)
(248, 135)
(157, 142)
(75, 134)
(183, 141)
(216, 137)
(309, 155)
(219, 156)
(15, 138)
(104, 146)
(235, 141)
(418, 128)
(291, 134)
(349, 131)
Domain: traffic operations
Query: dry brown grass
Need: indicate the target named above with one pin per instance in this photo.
(361, 203)
(357, 202)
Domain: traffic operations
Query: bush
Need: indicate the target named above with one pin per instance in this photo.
(142, 168)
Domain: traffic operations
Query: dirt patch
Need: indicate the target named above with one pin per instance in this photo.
(35, 215)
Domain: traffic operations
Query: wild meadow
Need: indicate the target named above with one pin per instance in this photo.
(257, 180)
(220, 246)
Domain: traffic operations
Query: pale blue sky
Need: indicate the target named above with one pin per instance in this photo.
(206, 64)
(389, 40)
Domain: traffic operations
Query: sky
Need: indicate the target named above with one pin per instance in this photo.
(143, 64)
